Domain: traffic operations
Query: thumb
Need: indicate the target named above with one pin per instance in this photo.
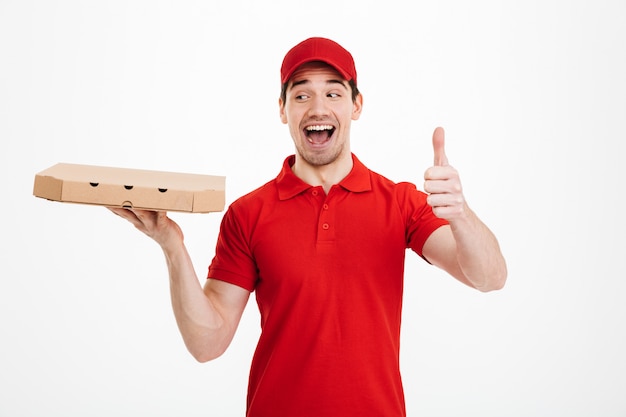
(439, 147)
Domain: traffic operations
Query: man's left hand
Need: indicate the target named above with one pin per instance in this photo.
(443, 184)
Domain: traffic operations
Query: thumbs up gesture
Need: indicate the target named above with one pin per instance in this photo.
(443, 184)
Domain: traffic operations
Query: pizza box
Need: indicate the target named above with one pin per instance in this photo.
(131, 188)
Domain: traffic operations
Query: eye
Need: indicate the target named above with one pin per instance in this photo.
(333, 95)
(300, 95)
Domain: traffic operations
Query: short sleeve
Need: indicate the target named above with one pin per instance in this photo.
(421, 222)
(233, 261)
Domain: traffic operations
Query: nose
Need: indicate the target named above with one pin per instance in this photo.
(318, 106)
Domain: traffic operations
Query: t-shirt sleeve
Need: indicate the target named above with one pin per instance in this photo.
(420, 219)
(233, 261)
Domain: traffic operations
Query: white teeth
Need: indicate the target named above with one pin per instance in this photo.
(319, 128)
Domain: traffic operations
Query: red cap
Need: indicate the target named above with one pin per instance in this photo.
(318, 49)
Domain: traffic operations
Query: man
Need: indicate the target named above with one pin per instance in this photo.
(322, 246)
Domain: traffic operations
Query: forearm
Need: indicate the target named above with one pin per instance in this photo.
(206, 319)
(478, 252)
(201, 325)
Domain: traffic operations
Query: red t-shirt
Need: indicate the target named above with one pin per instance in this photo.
(328, 275)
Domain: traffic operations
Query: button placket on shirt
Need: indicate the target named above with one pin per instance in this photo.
(326, 230)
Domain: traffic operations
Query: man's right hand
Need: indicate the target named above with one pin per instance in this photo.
(154, 224)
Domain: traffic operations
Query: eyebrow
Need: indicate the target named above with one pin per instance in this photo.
(331, 81)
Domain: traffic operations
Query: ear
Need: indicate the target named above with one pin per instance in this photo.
(281, 106)
(357, 107)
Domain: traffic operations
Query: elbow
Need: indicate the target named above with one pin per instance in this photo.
(494, 282)
(206, 344)
(494, 285)
(206, 350)
(206, 355)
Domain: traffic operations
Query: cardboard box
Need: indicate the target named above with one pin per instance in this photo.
(124, 187)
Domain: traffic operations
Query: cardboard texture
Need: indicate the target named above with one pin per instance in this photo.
(131, 188)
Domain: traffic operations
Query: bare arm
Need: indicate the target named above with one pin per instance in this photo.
(207, 317)
(466, 249)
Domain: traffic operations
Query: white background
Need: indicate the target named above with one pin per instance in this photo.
(533, 98)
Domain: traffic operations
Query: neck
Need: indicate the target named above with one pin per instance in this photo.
(323, 175)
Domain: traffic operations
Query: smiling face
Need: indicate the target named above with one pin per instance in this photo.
(318, 108)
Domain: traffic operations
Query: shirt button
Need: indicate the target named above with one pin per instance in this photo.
(325, 206)
(325, 226)
(314, 192)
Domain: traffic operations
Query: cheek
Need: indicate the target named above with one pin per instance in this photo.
(291, 118)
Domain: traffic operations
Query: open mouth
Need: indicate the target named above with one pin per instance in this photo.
(318, 134)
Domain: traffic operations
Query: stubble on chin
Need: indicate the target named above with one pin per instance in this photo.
(322, 158)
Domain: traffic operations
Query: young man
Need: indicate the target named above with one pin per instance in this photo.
(323, 246)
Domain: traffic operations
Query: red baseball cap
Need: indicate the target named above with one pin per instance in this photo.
(318, 49)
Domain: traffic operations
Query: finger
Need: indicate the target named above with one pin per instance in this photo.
(136, 216)
(448, 212)
(129, 215)
(122, 212)
(436, 186)
(149, 218)
(444, 200)
(439, 147)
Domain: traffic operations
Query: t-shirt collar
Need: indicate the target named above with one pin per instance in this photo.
(289, 185)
